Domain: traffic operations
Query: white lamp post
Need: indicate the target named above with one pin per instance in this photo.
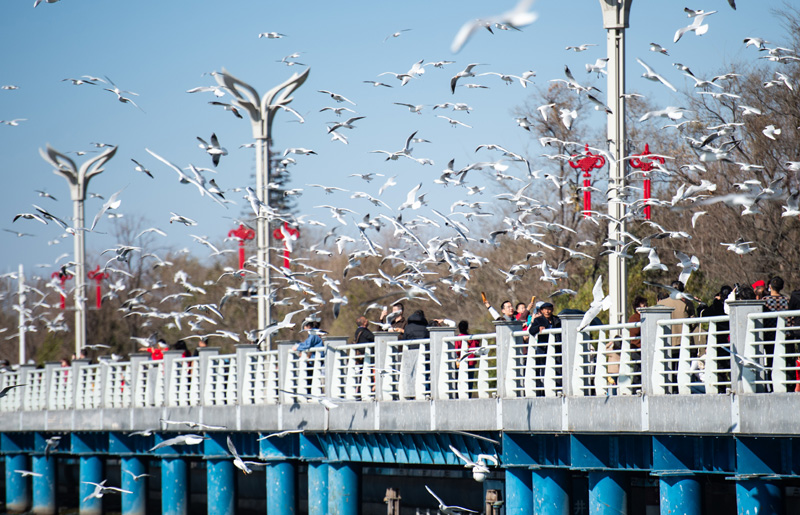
(262, 111)
(615, 21)
(78, 180)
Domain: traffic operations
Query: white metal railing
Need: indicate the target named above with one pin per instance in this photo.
(468, 367)
(149, 384)
(89, 387)
(772, 352)
(61, 393)
(261, 378)
(13, 398)
(221, 381)
(184, 387)
(353, 371)
(117, 391)
(407, 370)
(305, 373)
(692, 355)
(608, 361)
(35, 395)
(534, 368)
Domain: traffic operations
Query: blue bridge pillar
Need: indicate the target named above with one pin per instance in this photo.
(608, 492)
(18, 493)
(317, 488)
(221, 486)
(551, 491)
(44, 485)
(758, 497)
(519, 496)
(680, 495)
(343, 489)
(174, 487)
(281, 487)
(134, 503)
(91, 471)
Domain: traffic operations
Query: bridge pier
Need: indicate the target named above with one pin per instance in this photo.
(281, 488)
(174, 487)
(317, 488)
(608, 492)
(680, 494)
(519, 493)
(18, 493)
(135, 503)
(91, 471)
(757, 496)
(44, 486)
(221, 486)
(343, 488)
(551, 491)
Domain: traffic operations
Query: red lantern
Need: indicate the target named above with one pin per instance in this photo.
(646, 162)
(63, 277)
(288, 235)
(587, 163)
(98, 277)
(242, 234)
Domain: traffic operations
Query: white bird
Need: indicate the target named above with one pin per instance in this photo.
(180, 440)
(280, 434)
(328, 402)
(395, 34)
(516, 18)
(412, 201)
(412, 108)
(299, 151)
(181, 219)
(240, 464)
(655, 263)
(696, 26)
(272, 35)
(740, 247)
(14, 122)
(214, 150)
(7, 389)
(599, 303)
(650, 74)
(770, 131)
(28, 473)
(687, 265)
(100, 489)
(567, 116)
(454, 122)
(580, 48)
(466, 72)
(655, 47)
(792, 208)
(336, 96)
(446, 509)
(388, 184)
(136, 477)
(113, 202)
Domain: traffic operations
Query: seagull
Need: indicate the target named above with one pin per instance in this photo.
(466, 72)
(655, 263)
(445, 509)
(516, 18)
(599, 303)
(14, 122)
(281, 434)
(112, 203)
(454, 122)
(740, 247)
(140, 168)
(181, 219)
(770, 131)
(119, 92)
(272, 35)
(100, 489)
(376, 83)
(412, 108)
(687, 265)
(696, 26)
(214, 150)
(650, 74)
(28, 473)
(328, 402)
(337, 110)
(239, 463)
(336, 97)
(395, 34)
(136, 477)
(298, 151)
(7, 389)
(51, 443)
(581, 48)
(180, 440)
(655, 47)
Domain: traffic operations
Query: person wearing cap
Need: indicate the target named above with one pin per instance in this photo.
(544, 319)
(157, 351)
(760, 289)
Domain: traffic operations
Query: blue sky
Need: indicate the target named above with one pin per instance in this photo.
(161, 49)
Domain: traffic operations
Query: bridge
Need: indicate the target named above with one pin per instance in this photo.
(576, 419)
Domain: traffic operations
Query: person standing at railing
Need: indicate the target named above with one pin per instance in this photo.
(794, 305)
(542, 320)
(363, 335)
(417, 327)
(506, 310)
(467, 355)
(157, 351)
(760, 289)
(202, 343)
(313, 340)
(775, 301)
(395, 318)
(181, 345)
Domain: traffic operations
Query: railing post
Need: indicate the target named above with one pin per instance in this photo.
(332, 372)
(202, 368)
(438, 349)
(136, 359)
(382, 340)
(105, 362)
(284, 349)
(649, 341)
(49, 367)
(504, 341)
(742, 378)
(569, 347)
(169, 380)
(24, 370)
(242, 350)
(75, 372)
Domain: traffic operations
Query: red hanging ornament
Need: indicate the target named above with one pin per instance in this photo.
(242, 234)
(646, 162)
(63, 277)
(98, 277)
(288, 235)
(587, 163)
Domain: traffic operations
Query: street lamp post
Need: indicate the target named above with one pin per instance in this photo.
(78, 180)
(262, 111)
(615, 21)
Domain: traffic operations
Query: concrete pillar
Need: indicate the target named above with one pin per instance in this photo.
(18, 492)
(202, 369)
(504, 340)
(136, 359)
(281, 488)
(134, 503)
(519, 493)
(221, 487)
(91, 471)
(569, 347)
(550, 489)
(49, 367)
(174, 487)
(333, 377)
(758, 497)
(169, 381)
(75, 372)
(242, 350)
(382, 340)
(650, 318)
(438, 352)
(317, 488)
(743, 378)
(284, 348)
(44, 486)
(680, 495)
(608, 492)
(343, 489)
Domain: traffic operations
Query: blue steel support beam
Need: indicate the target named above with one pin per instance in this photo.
(44, 485)
(758, 497)
(317, 488)
(281, 487)
(134, 503)
(608, 492)
(680, 494)
(174, 491)
(519, 496)
(343, 489)
(221, 487)
(551, 491)
(91, 471)
(18, 492)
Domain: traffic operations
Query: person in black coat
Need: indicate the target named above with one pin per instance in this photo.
(363, 335)
(416, 327)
